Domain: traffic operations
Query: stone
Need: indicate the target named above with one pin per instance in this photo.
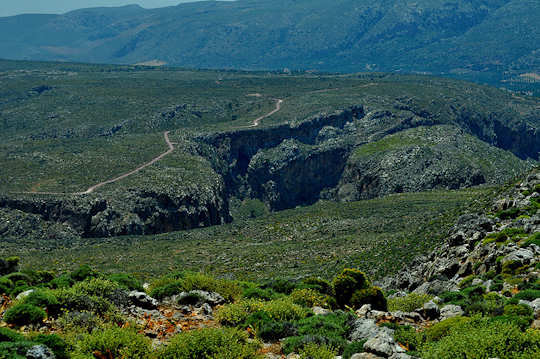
(477, 281)
(383, 345)
(535, 324)
(142, 300)
(363, 329)
(207, 309)
(535, 304)
(363, 311)
(430, 310)
(293, 356)
(521, 255)
(365, 356)
(24, 294)
(320, 311)
(400, 356)
(450, 311)
(211, 298)
(40, 352)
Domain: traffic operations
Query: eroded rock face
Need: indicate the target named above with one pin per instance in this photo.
(477, 245)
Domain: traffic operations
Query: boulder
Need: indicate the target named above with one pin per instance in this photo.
(363, 329)
(320, 311)
(211, 298)
(430, 310)
(142, 300)
(383, 345)
(521, 255)
(40, 352)
(365, 356)
(24, 294)
(450, 311)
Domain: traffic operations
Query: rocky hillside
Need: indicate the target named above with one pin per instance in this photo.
(425, 36)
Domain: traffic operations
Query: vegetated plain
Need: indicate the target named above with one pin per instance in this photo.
(65, 127)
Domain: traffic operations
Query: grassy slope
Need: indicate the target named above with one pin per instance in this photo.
(379, 236)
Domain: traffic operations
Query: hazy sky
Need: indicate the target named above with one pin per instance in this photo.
(14, 7)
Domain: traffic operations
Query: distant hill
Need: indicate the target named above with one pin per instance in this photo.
(483, 40)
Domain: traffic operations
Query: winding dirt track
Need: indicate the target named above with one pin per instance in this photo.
(258, 120)
(256, 123)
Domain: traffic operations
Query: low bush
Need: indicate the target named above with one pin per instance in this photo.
(482, 338)
(534, 239)
(112, 343)
(95, 287)
(82, 273)
(8, 335)
(15, 350)
(321, 285)
(167, 290)
(408, 303)
(210, 343)
(518, 310)
(259, 293)
(19, 278)
(70, 299)
(126, 281)
(280, 285)
(372, 295)
(308, 297)
(5, 285)
(273, 331)
(313, 351)
(24, 314)
(408, 337)
(52, 341)
(44, 299)
(442, 329)
(347, 283)
(527, 294)
(353, 348)
(230, 290)
(62, 281)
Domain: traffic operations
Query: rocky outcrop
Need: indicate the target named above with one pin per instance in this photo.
(479, 244)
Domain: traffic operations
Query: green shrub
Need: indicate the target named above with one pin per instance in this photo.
(518, 310)
(15, 350)
(527, 294)
(113, 343)
(235, 314)
(442, 329)
(5, 285)
(190, 299)
(24, 314)
(167, 290)
(83, 272)
(9, 265)
(308, 297)
(63, 281)
(481, 338)
(53, 342)
(408, 303)
(43, 299)
(511, 267)
(70, 299)
(353, 348)
(259, 293)
(321, 285)
(297, 343)
(313, 351)
(40, 276)
(8, 335)
(19, 278)
(95, 287)
(280, 285)
(210, 343)
(18, 289)
(372, 295)
(466, 282)
(348, 282)
(408, 337)
(230, 290)
(273, 331)
(510, 213)
(534, 239)
(126, 281)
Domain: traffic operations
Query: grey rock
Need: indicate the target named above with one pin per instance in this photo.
(430, 310)
(522, 255)
(320, 311)
(142, 300)
(40, 352)
(363, 311)
(450, 311)
(400, 356)
(477, 281)
(383, 345)
(211, 298)
(207, 309)
(436, 287)
(365, 356)
(363, 329)
(24, 294)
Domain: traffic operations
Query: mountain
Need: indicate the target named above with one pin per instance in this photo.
(482, 40)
